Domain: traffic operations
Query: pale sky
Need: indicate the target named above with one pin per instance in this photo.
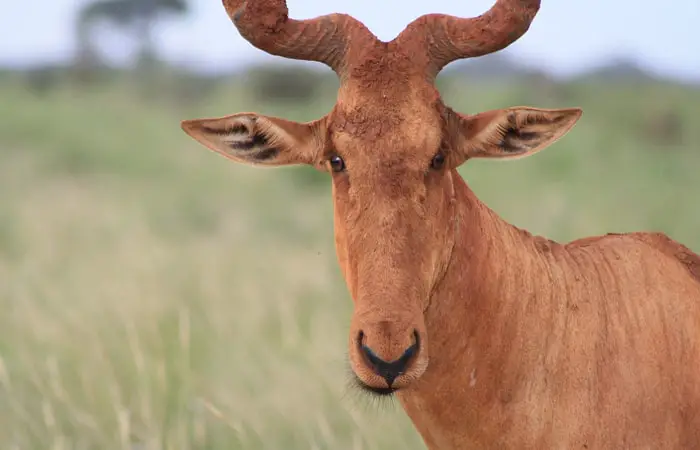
(566, 36)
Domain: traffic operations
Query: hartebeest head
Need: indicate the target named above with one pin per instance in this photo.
(391, 147)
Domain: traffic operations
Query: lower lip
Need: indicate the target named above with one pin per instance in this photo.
(382, 392)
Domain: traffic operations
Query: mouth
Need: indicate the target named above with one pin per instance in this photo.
(375, 391)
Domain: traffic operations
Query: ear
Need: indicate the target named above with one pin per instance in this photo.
(512, 132)
(260, 140)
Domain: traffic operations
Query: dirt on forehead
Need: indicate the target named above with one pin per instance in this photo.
(378, 115)
(384, 67)
(404, 124)
(372, 141)
(382, 93)
(363, 121)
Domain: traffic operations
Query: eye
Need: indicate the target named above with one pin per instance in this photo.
(337, 163)
(438, 161)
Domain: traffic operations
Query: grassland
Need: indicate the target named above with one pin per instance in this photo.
(156, 296)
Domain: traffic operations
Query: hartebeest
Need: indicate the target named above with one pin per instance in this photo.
(489, 336)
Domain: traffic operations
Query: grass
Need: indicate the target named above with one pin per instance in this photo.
(157, 296)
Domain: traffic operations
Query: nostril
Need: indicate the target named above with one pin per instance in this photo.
(389, 370)
(416, 343)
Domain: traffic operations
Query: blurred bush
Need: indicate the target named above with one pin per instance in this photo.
(280, 83)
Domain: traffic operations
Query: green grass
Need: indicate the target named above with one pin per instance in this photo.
(156, 296)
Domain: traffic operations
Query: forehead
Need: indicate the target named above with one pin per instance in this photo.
(396, 125)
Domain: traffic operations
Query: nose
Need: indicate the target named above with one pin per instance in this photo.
(389, 370)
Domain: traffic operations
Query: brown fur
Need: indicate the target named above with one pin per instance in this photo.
(510, 340)
(592, 344)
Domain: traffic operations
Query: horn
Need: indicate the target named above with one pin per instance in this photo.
(448, 38)
(327, 39)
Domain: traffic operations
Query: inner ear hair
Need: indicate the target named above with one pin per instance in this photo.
(241, 137)
(253, 137)
(522, 130)
(512, 136)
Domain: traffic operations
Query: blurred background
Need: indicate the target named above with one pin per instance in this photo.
(154, 295)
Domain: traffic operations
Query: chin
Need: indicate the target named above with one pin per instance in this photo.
(375, 391)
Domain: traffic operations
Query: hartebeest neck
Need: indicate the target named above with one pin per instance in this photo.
(495, 269)
(497, 275)
(488, 265)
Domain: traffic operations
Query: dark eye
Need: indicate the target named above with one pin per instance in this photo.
(337, 163)
(438, 161)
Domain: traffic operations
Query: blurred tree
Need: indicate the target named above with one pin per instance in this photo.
(42, 79)
(137, 16)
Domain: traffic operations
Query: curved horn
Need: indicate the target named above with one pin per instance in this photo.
(326, 39)
(447, 38)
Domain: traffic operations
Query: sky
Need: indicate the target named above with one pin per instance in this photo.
(567, 36)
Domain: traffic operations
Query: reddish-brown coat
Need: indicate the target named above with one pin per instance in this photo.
(522, 342)
(534, 344)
